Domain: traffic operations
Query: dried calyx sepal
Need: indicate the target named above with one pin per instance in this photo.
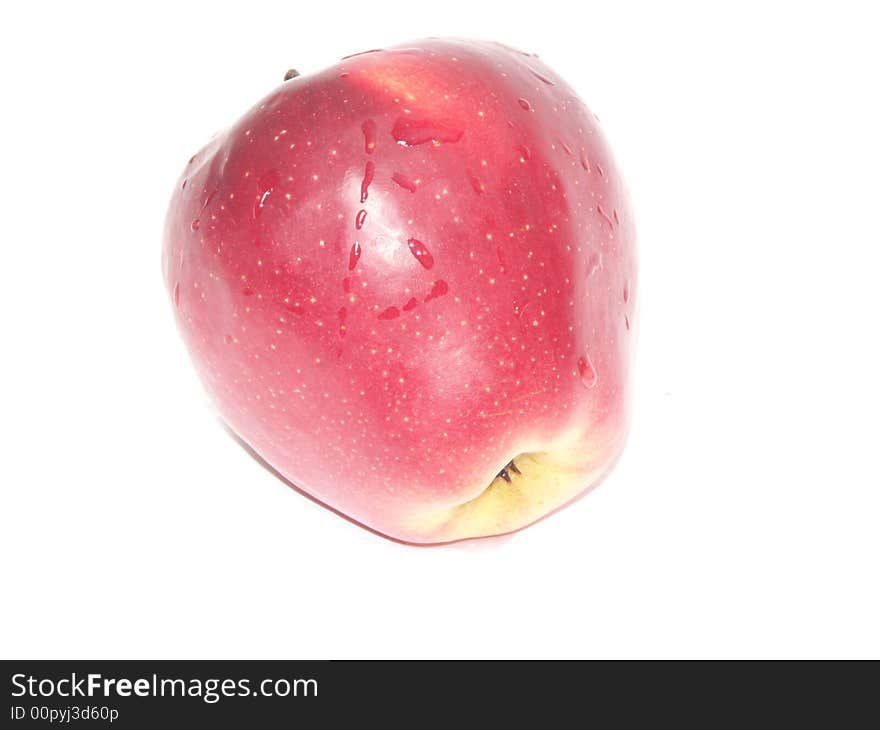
(505, 472)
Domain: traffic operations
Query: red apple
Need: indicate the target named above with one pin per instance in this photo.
(408, 282)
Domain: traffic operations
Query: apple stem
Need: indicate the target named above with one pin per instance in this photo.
(291, 74)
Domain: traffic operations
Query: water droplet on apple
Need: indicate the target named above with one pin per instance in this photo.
(605, 216)
(258, 205)
(247, 291)
(354, 255)
(346, 285)
(524, 152)
(411, 304)
(499, 252)
(511, 49)
(600, 170)
(541, 77)
(208, 198)
(266, 186)
(404, 182)
(524, 103)
(177, 295)
(420, 252)
(359, 219)
(369, 130)
(369, 171)
(478, 187)
(587, 372)
(390, 313)
(585, 162)
(409, 132)
(594, 263)
(362, 53)
(625, 293)
(294, 307)
(344, 75)
(438, 289)
(342, 314)
(183, 187)
(626, 322)
(227, 339)
(615, 215)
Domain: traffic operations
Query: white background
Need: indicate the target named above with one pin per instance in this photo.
(742, 520)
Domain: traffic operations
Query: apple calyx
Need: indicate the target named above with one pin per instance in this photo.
(530, 486)
(505, 472)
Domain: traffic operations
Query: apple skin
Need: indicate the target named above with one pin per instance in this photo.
(399, 274)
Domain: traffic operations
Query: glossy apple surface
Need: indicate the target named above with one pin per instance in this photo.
(399, 275)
